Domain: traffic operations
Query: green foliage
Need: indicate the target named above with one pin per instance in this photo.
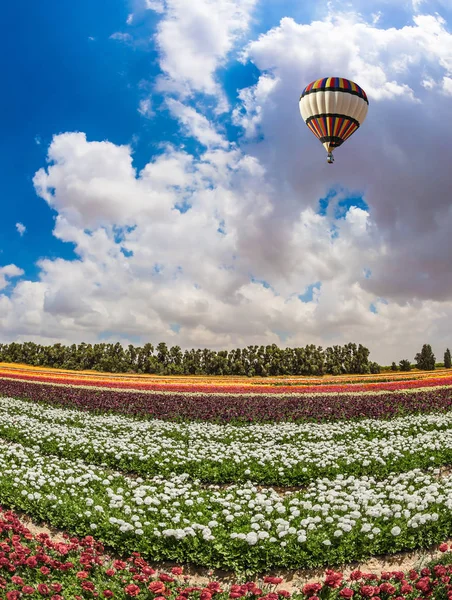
(261, 361)
(447, 359)
(394, 367)
(405, 365)
(425, 359)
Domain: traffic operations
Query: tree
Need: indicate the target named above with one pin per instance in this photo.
(374, 367)
(394, 367)
(447, 359)
(405, 365)
(425, 359)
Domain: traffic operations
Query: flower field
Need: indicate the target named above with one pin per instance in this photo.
(231, 475)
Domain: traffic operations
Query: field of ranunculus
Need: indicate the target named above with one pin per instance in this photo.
(238, 474)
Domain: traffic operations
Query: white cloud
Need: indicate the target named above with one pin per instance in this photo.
(145, 108)
(195, 39)
(121, 37)
(155, 5)
(252, 209)
(9, 272)
(21, 229)
(195, 124)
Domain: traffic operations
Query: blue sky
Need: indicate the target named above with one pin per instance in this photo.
(265, 220)
(64, 73)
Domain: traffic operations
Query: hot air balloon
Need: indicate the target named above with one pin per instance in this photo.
(333, 108)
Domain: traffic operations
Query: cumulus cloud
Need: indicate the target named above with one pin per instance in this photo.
(195, 39)
(21, 229)
(398, 160)
(8, 272)
(227, 243)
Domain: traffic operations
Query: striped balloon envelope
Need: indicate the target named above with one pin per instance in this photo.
(333, 108)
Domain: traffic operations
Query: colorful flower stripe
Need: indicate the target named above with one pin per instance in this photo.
(228, 381)
(234, 407)
(232, 379)
(75, 380)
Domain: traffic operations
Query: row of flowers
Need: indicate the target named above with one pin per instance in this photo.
(218, 386)
(230, 379)
(240, 526)
(78, 568)
(225, 408)
(277, 454)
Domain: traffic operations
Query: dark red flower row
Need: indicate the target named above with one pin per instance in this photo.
(227, 408)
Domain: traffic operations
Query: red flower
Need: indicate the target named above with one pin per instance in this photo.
(311, 589)
(176, 570)
(387, 588)
(108, 594)
(43, 589)
(157, 587)
(346, 592)
(14, 595)
(423, 585)
(28, 590)
(45, 570)
(443, 547)
(368, 591)
(119, 565)
(88, 586)
(17, 580)
(284, 593)
(82, 575)
(273, 580)
(110, 572)
(406, 588)
(332, 579)
(57, 597)
(132, 590)
(56, 587)
(205, 595)
(166, 577)
(32, 562)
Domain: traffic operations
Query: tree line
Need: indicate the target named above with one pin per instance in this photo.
(251, 361)
(424, 360)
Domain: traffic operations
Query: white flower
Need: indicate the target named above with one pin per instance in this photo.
(396, 531)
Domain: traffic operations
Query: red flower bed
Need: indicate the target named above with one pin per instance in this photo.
(37, 567)
(230, 408)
